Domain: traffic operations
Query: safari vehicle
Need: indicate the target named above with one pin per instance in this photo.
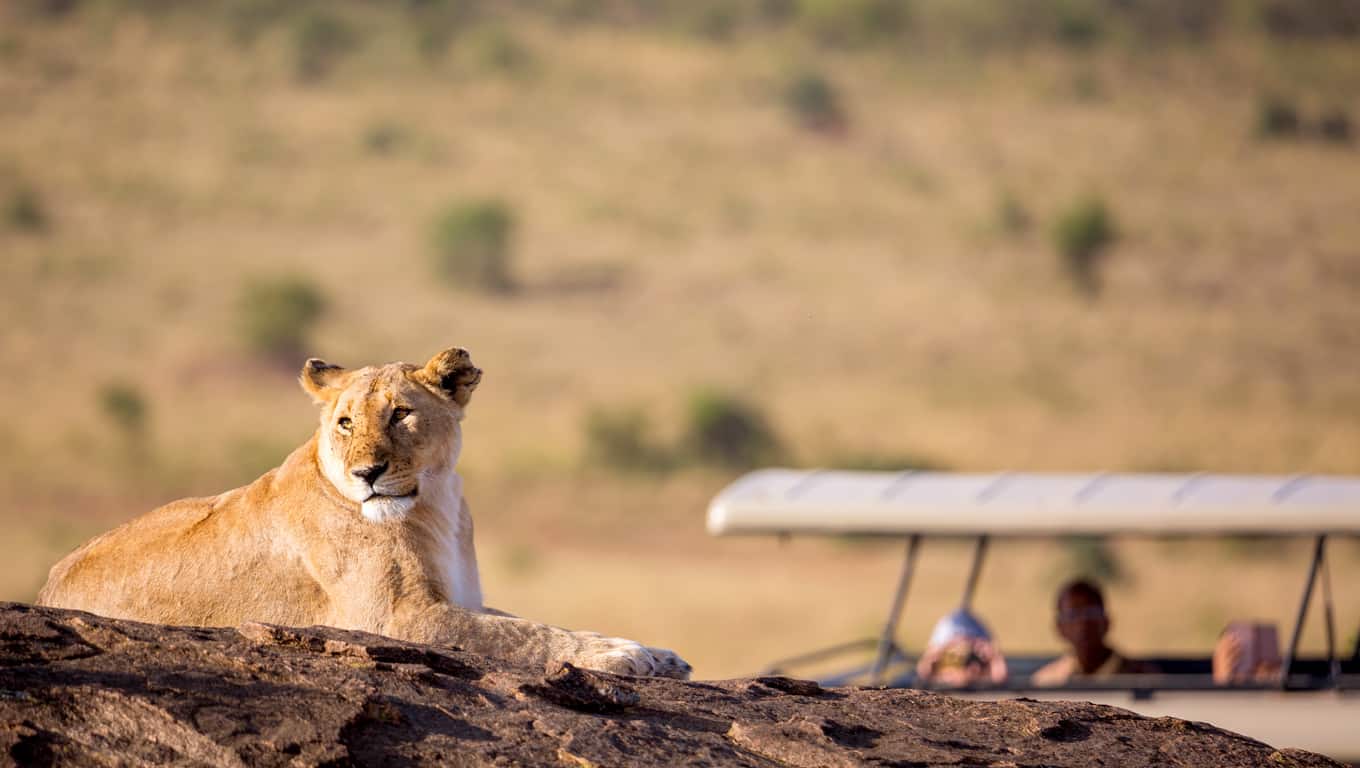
(1312, 703)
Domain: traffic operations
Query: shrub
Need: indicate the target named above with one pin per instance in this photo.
(320, 40)
(577, 11)
(48, 8)
(383, 137)
(125, 406)
(1077, 24)
(497, 50)
(438, 22)
(776, 12)
(433, 41)
(1159, 20)
(1310, 18)
(1091, 557)
(1335, 125)
(126, 409)
(1276, 118)
(277, 314)
(249, 19)
(1082, 234)
(853, 22)
(815, 103)
(725, 431)
(472, 243)
(621, 438)
(715, 20)
(24, 211)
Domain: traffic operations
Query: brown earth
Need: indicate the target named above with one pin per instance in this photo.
(77, 689)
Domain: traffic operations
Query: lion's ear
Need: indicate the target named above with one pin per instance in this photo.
(452, 373)
(321, 380)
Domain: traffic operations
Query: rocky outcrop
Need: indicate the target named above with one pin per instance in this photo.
(77, 689)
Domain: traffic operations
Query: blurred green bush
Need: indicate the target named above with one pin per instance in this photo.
(1092, 557)
(1335, 125)
(437, 23)
(1076, 23)
(496, 49)
(47, 8)
(814, 103)
(126, 407)
(1171, 20)
(1308, 18)
(384, 137)
(247, 20)
(472, 245)
(323, 37)
(853, 23)
(725, 431)
(1276, 117)
(320, 41)
(1082, 233)
(24, 211)
(277, 314)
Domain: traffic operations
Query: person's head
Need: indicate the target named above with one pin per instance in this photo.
(961, 652)
(1081, 619)
(959, 624)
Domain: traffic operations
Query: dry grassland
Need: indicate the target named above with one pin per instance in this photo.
(677, 230)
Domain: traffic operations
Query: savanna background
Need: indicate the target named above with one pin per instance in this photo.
(684, 239)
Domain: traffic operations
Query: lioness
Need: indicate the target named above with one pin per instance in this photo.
(363, 527)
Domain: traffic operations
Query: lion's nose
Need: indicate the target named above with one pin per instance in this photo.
(371, 473)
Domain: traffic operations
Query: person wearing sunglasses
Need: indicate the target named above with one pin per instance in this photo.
(1083, 625)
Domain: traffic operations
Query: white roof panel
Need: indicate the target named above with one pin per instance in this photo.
(1017, 504)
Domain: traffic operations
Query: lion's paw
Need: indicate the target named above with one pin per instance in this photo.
(626, 657)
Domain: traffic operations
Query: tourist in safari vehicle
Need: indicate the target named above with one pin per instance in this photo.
(1083, 624)
(1247, 684)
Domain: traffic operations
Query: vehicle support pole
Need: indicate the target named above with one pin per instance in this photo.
(1303, 612)
(887, 642)
(1333, 664)
(974, 571)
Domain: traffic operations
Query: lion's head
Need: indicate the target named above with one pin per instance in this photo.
(386, 430)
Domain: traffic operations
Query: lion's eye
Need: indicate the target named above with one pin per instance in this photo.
(345, 424)
(398, 414)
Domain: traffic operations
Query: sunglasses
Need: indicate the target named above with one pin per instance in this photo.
(1091, 613)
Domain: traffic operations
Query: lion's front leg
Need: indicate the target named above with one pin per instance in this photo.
(536, 645)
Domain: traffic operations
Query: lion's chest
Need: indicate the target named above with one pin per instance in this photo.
(451, 552)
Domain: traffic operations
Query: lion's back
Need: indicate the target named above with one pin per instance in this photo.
(94, 574)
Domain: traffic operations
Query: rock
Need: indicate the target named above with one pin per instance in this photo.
(78, 689)
(584, 690)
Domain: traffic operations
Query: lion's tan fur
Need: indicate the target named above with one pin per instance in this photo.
(301, 545)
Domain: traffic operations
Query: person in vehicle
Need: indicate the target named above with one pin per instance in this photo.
(1083, 624)
(960, 652)
(1247, 652)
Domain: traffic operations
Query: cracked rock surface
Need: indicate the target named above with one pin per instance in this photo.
(77, 689)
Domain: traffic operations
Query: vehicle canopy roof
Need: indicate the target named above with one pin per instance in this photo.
(780, 501)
